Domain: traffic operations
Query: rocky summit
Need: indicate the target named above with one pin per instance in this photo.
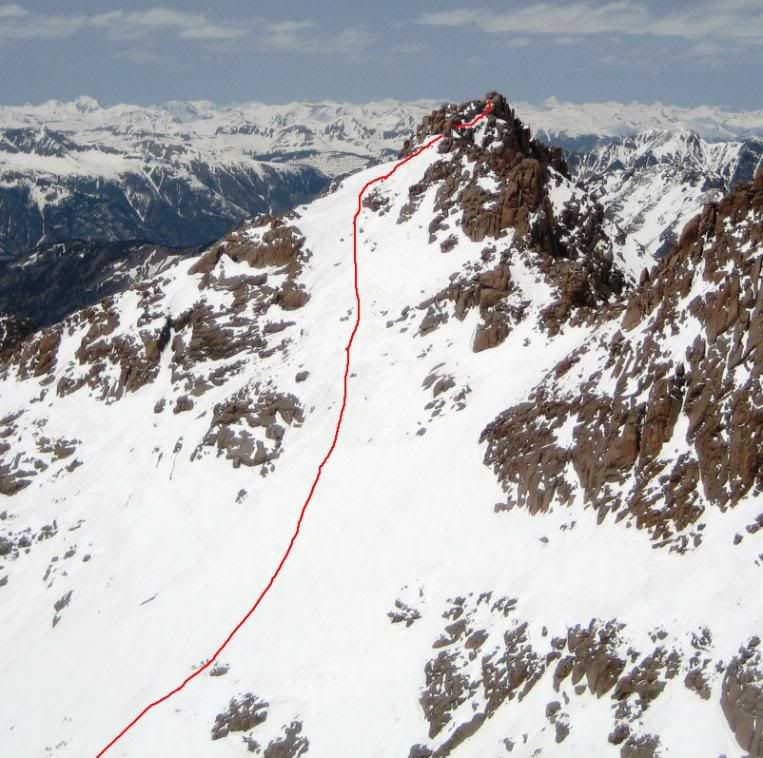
(538, 533)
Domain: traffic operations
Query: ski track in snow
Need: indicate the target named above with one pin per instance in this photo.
(329, 452)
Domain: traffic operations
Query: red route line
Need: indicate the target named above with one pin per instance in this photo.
(329, 452)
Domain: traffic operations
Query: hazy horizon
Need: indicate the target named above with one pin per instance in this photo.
(549, 102)
(582, 51)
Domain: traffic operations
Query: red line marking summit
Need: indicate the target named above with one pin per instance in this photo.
(329, 452)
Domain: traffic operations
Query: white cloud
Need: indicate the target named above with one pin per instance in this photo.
(286, 35)
(739, 19)
(133, 27)
(409, 48)
(122, 24)
(30, 27)
(456, 17)
(352, 41)
(18, 23)
(285, 27)
(12, 11)
(212, 32)
(293, 36)
(630, 60)
(300, 37)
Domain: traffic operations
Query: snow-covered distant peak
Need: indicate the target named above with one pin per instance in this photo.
(556, 118)
(553, 117)
(681, 148)
(86, 104)
(181, 173)
(653, 182)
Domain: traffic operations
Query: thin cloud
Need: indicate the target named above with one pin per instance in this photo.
(131, 27)
(19, 23)
(634, 59)
(737, 19)
(409, 48)
(288, 36)
(286, 27)
(12, 11)
(546, 18)
(352, 40)
(141, 57)
(300, 37)
(711, 53)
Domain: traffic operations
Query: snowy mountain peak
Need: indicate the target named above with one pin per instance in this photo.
(179, 174)
(510, 186)
(566, 121)
(537, 528)
(185, 111)
(86, 104)
(680, 147)
(653, 182)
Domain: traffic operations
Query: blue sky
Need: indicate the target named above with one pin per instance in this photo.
(683, 53)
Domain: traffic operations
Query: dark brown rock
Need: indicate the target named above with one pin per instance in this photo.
(742, 698)
(444, 691)
(618, 439)
(244, 714)
(246, 430)
(641, 746)
(696, 681)
(292, 745)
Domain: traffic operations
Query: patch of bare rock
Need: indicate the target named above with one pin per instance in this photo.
(655, 434)
(487, 658)
(244, 714)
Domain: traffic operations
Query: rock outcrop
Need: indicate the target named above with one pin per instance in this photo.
(742, 697)
(643, 387)
(488, 659)
(502, 187)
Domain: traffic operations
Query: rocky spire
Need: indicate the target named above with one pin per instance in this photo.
(503, 182)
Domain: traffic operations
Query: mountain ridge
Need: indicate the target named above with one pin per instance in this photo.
(186, 173)
(550, 117)
(488, 567)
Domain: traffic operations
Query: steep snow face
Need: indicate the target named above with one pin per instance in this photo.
(157, 448)
(651, 184)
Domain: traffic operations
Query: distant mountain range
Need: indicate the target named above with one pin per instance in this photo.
(184, 173)
(653, 182)
(584, 124)
(180, 174)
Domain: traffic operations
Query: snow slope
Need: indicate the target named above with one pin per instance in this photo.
(416, 616)
(652, 183)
